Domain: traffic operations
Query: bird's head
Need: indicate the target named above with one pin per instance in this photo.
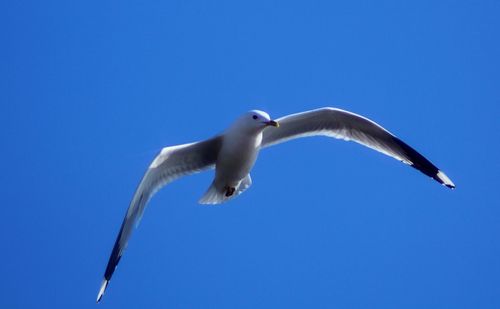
(254, 121)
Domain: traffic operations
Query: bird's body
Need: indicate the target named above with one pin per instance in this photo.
(241, 144)
(233, 154)
(236, 158)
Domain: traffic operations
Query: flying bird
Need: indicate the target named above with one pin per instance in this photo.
(233, 154)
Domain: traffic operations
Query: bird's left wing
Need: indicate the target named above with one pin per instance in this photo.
(170, 164)
(345, 125)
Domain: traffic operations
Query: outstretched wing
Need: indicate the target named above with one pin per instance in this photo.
(170, 164)
(345, 125)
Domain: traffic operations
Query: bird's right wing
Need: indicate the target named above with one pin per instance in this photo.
(170, 164)
(334, 122)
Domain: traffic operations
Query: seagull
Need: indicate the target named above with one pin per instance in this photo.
(234, 152)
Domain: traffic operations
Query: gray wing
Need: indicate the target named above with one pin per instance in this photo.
(170, 164)
(345, 125)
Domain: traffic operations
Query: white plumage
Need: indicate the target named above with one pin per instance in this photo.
(234, 153)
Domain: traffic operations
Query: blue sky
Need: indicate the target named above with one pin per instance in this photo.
(90, 91)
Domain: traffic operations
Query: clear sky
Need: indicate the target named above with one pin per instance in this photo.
(91, 90)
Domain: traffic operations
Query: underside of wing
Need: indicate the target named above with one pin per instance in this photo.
(345, 125)
(170, 164)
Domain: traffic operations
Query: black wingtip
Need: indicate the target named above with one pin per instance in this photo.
(420, 163)
(113, 261)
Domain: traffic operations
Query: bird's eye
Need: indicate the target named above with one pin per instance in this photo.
(255, 117)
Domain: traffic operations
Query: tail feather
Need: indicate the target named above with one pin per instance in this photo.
(215, 195)
(244, 184)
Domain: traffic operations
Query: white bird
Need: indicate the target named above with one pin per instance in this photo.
(234, 152)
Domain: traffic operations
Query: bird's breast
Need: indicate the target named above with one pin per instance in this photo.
(237, 157)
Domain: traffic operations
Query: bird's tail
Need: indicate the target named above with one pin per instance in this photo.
(216, 195)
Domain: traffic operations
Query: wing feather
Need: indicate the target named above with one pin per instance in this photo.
(170, 164)
(345, 125)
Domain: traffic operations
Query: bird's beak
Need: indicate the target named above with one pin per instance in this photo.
(272, 123)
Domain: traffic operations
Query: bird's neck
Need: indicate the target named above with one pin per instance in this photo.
(244, 139)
